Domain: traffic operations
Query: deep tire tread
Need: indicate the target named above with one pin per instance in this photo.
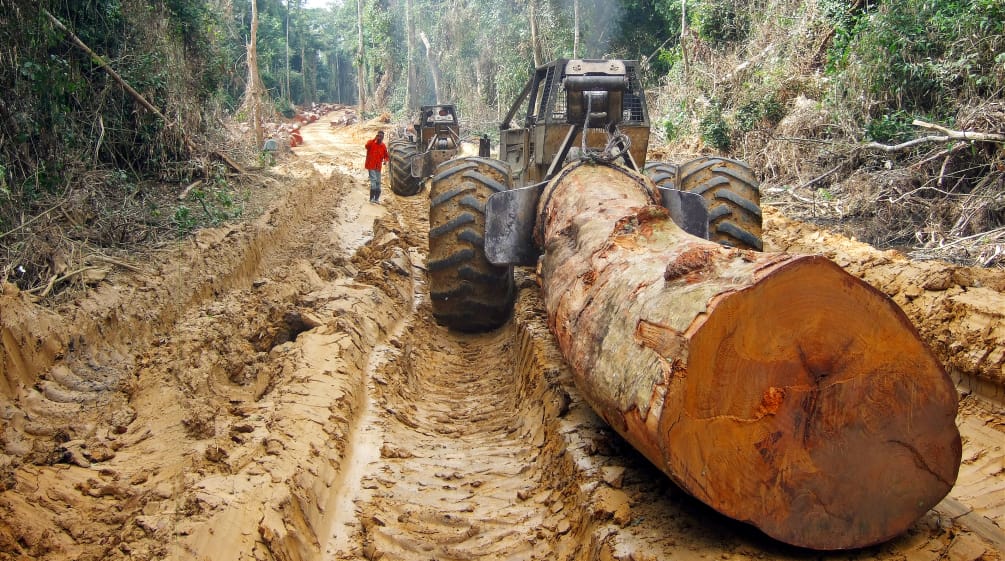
(467, 292)
(452, 260)
(733, 198)
(444, 197)
(740, 201)
(735, 232)
(663, 174)
(402, 181)
(451, 225)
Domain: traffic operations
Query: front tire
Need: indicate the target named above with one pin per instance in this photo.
(733, 198)
(467, 292)
(403, 183)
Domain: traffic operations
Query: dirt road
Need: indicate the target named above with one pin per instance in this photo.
(278, 390)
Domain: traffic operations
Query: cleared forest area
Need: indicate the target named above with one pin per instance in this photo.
(212, 347)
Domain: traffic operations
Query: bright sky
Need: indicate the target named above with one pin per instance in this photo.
(317, 3)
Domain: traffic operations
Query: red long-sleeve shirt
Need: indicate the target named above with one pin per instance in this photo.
(376, 154)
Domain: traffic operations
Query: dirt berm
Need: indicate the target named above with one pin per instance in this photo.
(276, 389)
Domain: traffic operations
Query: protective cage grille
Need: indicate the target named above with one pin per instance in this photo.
(634, 110)
(553, 108)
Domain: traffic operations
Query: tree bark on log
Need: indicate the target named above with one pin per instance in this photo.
(776, 388)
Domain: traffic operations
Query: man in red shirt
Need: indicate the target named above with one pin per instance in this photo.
(376, 156)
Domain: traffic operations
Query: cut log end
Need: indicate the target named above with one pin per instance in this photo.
(815, 392)
(777, 389)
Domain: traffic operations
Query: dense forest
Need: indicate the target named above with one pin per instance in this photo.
(851, 111)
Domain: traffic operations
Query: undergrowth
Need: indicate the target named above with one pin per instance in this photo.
(800, 89)
(82, 161)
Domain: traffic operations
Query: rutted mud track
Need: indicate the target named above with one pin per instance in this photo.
(279, 391)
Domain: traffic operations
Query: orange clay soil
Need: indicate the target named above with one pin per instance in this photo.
(276, 389)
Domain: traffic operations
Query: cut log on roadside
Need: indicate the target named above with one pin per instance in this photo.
(776, 388)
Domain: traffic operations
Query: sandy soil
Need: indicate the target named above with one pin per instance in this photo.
(277, 390)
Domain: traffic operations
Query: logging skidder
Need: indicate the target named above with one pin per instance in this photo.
(776, 388)
(435, 138)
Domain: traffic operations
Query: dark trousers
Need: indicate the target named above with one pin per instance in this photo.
(374, 184)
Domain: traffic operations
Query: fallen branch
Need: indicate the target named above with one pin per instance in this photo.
(905, 145)
(961, 135)
(115, 76)
(117, 263)
(808, 140)
(948, 134)
(104, 66)
(184, 193)
(54, 280)
(229, 162)
(30, 220)
(818, 178)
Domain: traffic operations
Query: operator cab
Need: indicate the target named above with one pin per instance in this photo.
(566, 99)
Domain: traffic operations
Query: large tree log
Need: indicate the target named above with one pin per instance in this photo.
(776, 388)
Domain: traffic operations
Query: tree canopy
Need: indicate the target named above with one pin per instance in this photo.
(720, 74)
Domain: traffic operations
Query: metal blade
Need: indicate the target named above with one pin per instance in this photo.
(687, 210)
(509, 226)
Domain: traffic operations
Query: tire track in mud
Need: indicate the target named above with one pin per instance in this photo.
(457, 478)
(216, 391)
(457, 474)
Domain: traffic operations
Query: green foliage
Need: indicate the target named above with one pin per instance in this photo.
(647, 28)
(217, 200)
(183, 220)
(670, 129)
(748, 116)
(916, 56)
(673, 125)
(893, 127)
(719, 21)
(4, 190)
(668, 58)
(715, 130)
(767, 111)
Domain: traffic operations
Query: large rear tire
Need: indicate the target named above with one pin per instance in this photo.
(468, 293)
(733, 198)
(403, 183)
(663, 174)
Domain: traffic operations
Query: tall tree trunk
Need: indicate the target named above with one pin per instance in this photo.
(254, 80)
(434, 68)
(286, 83)
(534, 36)
(311, 71)
(479, 79)
(776, 388)
(338, 79)
(683, 37)
(360, 58)
(411, 99)
(575, 35)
